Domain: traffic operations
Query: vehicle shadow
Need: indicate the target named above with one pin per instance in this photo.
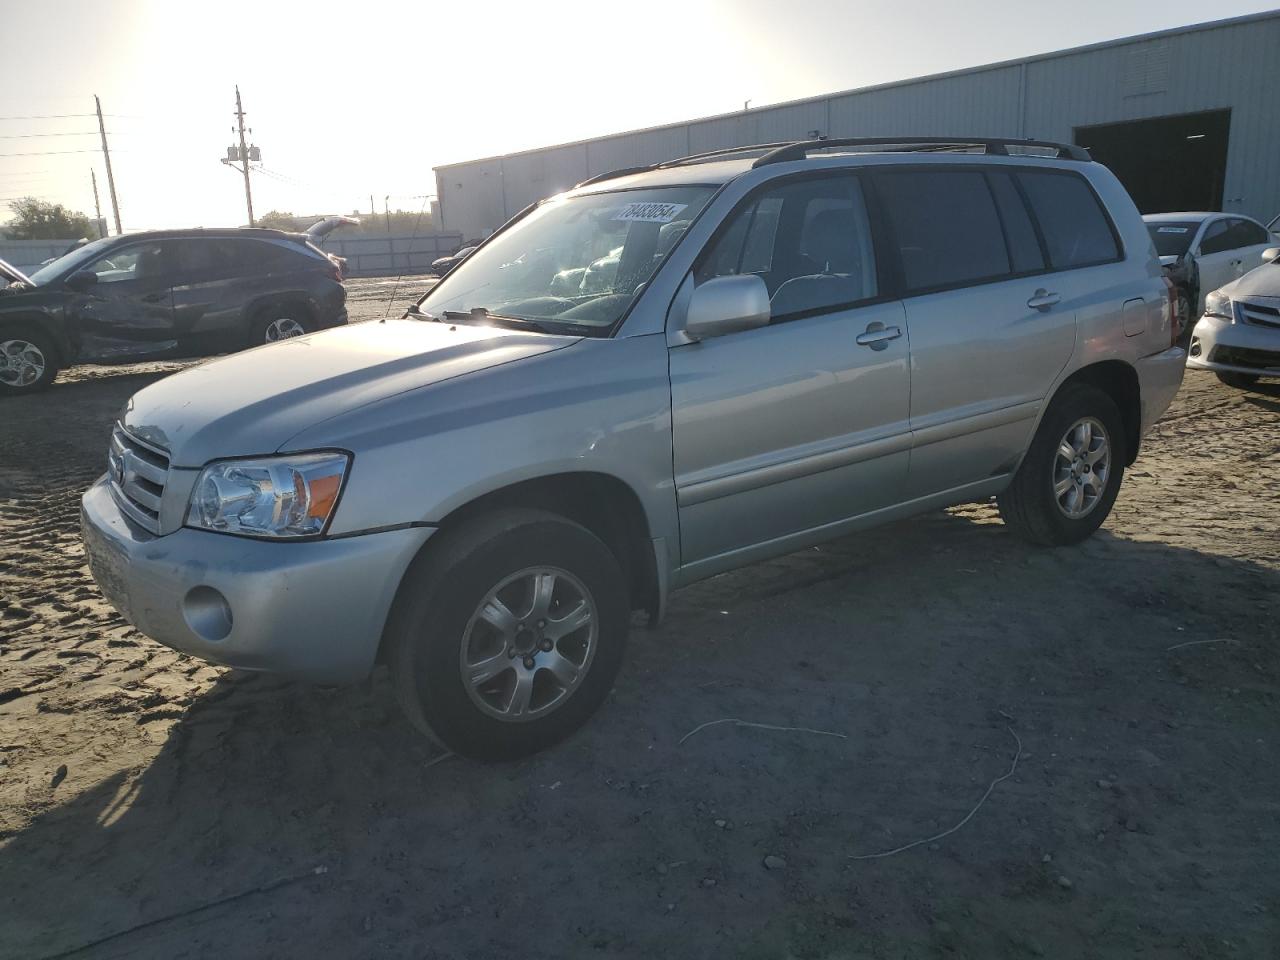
(282, 819)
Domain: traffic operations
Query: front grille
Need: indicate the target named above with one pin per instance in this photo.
(138, 472)
(1242, 357)
(1259, 314)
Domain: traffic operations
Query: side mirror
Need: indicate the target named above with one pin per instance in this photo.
(1271, 255)
(81, 280)
(727, 305)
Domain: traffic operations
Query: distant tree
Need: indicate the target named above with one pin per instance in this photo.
(277, 220)
(40, 220)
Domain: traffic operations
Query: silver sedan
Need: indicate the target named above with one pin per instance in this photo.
(1238, 338)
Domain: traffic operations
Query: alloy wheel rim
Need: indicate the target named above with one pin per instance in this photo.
(1081, 468)
(22, 363)
(283, 328)
(529, 644)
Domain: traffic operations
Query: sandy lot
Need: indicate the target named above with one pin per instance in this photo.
(151, 805)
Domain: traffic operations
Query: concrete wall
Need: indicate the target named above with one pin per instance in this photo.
(373, 255)
(1228, 64)
(27, 255)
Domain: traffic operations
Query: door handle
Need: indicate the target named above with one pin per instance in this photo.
(877, 336)
(153, 298)
(1042, 299)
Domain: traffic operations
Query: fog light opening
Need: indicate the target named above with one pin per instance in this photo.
(207, 613)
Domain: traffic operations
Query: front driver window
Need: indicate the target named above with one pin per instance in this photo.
(809, 240)
(129, 263)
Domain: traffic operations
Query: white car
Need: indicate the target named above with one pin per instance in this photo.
(1238, 338)
(1203, 251)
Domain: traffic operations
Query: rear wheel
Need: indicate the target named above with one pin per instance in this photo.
(1069, 479)
(508, 634)
(28, 361)
(278, 323)
(1241, 381)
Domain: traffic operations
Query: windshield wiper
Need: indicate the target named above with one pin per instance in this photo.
(482, 314)
(413, 310)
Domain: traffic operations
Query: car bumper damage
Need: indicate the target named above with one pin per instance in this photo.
(314, 610)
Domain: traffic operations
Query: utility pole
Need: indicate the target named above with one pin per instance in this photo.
(97, 207)
(244, 156)
(106, 155)
(386, 207)
(373, 211)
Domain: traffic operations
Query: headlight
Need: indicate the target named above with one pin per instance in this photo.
(287, 496)
(1218, 304)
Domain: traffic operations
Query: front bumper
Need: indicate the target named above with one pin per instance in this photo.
(313, 610)
(1226, 347)
(1159, 377)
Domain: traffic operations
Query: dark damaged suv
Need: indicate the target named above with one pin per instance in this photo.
(164, 294)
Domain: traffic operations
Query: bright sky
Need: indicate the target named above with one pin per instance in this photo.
(350, 99)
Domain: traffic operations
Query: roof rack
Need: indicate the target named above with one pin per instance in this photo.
(679, 161)
(799, 149)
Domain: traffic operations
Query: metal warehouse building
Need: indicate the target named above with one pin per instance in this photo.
(1189, 119)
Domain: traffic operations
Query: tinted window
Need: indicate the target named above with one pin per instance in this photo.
(945, 225)
(137, 262)
(1024, 247)
(1216, 239)
(258, 256)
(1172, 239)
(1243, 233)
(809, 240)
(1074, 225)
(205, 258)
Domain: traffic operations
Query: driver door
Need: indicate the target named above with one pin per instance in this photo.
(128, 313)
(782, 431)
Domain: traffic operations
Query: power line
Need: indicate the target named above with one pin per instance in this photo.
(45, 153)
(52, 116)
(23, 136)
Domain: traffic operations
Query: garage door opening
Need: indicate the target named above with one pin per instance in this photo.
(1168, 163)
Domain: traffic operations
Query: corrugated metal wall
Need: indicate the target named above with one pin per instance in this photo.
(1226, 65)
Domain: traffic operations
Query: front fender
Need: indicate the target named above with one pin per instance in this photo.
(600, 406)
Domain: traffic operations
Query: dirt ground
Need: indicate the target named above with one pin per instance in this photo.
(154, 806)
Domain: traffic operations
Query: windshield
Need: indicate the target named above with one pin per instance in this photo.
(572, 265)
(1172, 239)
(69, 262)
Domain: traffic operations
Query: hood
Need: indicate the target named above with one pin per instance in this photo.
(251, 403)
(1263, 281)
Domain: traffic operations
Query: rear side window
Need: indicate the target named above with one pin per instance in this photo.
(258, 256)
(1075, 227)
(1024, 247)
(1215, 239)
(946, 227)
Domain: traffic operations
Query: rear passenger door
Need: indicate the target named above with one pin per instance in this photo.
(1215, 258)
(206, 293)
(992, 323)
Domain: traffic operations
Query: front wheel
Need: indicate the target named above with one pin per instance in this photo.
(28, 362)
(1240, 381)
(508, 634)
(1071, 474)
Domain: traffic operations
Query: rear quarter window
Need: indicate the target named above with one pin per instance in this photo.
(1076, 230)
(258, 256)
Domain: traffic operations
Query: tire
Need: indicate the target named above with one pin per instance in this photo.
(1031, 506)
(1184, 313)
(437, 622)
(28, 361)
(273, 324)
(1241, 381)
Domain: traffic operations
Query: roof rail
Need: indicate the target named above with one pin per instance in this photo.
(799, 149)
(678, 161)
(620, 172)
(724, 152)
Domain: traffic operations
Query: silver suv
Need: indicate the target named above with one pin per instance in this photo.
(658, 376)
